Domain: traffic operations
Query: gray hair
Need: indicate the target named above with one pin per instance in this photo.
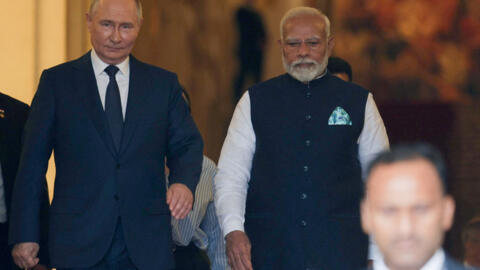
(304, 11)
(94, 5)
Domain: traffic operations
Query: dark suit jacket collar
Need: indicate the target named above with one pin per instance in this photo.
(86, 85)
(139, 85)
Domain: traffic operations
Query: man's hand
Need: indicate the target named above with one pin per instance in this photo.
(238, 251)
(25, 254)
(180, 200)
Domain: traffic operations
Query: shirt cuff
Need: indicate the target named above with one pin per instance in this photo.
(232, 224)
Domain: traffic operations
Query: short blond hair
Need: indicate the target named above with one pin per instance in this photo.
(304, 11)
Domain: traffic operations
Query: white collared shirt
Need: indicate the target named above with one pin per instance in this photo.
(233, 174)
(122, 77)
(436, 262)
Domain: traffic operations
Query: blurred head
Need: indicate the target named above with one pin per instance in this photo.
(114, 27)
(306, 43)
(471, 242)
(406, 208)
(340, 68)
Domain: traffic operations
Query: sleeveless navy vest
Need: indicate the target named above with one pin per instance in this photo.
(305, 187)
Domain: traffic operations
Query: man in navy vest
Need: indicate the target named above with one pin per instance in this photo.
(290, 171)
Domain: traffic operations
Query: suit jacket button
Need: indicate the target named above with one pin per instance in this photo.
(118, 166)
(116, 197)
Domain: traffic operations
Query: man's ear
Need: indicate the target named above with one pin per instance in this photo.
(89, 19)
(330, 44)
(448, 212)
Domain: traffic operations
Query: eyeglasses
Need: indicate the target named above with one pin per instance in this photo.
(295, 44)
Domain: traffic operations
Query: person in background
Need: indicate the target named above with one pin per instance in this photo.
(200, 232)
(340, 68)
(407, 210)
(13, 115)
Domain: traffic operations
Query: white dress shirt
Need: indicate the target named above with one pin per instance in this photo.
(233, 174)
(122, 77)
(436, 262)
(3, 205)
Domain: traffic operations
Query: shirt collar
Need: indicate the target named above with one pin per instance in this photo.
(436, 262)
(99, 66)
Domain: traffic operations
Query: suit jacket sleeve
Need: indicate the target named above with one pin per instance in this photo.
(43, 254)
(29, 189)
(185, 145)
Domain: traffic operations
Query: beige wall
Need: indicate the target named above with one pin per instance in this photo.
(34, 38)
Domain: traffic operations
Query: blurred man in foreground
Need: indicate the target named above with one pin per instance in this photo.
(407, 210)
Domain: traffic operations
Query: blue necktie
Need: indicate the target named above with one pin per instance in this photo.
(113, 106)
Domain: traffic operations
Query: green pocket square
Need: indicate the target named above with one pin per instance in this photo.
(339, 117)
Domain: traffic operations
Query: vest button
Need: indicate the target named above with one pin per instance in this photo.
(303, 223)
(308, 95)
(305, 168)
(307, 142)
(303, 196)
(308, 117)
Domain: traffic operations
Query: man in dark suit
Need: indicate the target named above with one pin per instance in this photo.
(407, 210)
(13, 115)
(111, 121)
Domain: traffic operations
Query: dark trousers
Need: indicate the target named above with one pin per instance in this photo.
(6, 261)
(116, 257)
(190, 258)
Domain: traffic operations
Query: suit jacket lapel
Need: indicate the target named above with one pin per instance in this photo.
(137, 91)
(87, 87)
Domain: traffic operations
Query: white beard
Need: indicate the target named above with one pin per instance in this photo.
(305, 74)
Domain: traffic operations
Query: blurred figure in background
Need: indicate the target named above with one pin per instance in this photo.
(251, 43)
(340, 68)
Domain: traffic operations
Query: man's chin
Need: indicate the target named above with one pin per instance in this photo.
(114, 58)
(406, 260)
(303, 76)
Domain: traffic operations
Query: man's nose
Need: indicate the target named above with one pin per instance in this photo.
(303, 50)
(405, 224)
(115, 36)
